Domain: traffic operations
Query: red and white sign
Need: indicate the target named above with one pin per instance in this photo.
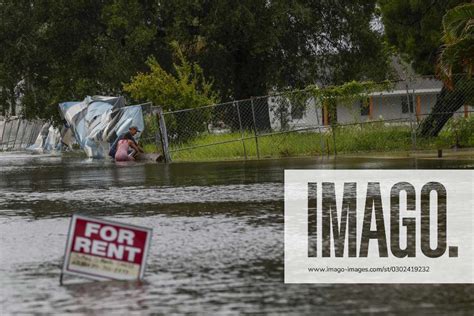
(102, 249)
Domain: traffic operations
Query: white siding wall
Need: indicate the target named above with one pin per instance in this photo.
(384, 107)
(312, 116)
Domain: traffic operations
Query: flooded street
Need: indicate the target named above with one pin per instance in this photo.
(217, 239)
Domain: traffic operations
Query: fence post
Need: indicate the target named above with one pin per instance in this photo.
(333, 128)
(164, 135)
(413, 137)
(255, 128)
(332, 113)
(415, 120)
(241, 130)
(321, 140)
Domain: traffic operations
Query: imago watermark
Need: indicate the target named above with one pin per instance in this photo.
(379, 226)
(106, 250)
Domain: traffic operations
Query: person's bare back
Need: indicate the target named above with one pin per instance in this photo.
(122, 150)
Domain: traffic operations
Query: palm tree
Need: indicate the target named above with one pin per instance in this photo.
(456, 57)
(457, 53)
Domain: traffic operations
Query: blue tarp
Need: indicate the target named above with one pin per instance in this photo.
(97, 121)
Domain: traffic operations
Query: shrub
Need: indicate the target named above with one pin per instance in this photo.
(459, 132)
(184, 89)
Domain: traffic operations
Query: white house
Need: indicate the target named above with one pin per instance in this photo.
(391, 105)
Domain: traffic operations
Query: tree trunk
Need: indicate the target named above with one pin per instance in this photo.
(447, 102)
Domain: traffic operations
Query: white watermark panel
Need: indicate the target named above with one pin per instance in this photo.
(379, 226)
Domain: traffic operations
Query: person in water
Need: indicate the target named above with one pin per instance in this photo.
(123, 146)
(129, 144)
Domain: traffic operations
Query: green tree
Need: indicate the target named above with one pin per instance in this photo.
(57, 50)
(457, 53)
(415, 28)
(63, 50)
(456, 57)
(186, 88)
(16, 47)
(252, 46)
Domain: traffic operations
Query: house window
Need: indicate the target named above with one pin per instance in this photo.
(297, 111)
(364, 107)
(405, 107)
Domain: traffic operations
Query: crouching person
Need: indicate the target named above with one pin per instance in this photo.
(125, 145)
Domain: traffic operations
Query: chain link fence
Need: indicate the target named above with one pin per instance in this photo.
(18, 133)
(298, 124)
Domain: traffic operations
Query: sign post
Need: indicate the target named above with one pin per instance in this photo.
(105, 250)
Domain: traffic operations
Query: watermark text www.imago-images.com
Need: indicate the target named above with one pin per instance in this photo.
(379, 226)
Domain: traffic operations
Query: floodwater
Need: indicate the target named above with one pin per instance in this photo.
(217, 246)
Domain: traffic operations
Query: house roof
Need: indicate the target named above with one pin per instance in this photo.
(407, 76)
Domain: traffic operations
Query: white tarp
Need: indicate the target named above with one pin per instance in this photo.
(97, 121)
(48, 140)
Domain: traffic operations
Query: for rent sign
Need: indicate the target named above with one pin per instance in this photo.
(102, 249)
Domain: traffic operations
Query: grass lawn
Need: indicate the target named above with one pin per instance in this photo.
(375, 137)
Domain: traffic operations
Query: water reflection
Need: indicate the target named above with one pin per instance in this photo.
(217, 244)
